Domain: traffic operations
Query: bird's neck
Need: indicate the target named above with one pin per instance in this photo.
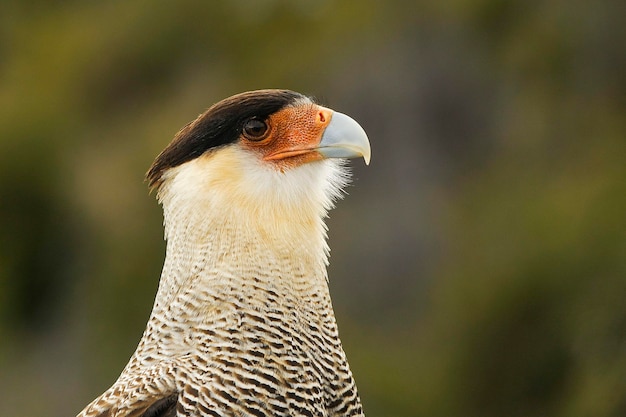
(229, 249)
(239, 248)
(241, 243)
(231, 221)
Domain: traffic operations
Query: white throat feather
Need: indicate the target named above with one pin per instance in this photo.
(230, 202)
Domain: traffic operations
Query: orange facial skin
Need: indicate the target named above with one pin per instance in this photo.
(292, 136)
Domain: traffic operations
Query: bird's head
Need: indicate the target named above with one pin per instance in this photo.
(268, 153)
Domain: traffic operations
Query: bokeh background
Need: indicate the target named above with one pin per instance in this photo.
(479, 263)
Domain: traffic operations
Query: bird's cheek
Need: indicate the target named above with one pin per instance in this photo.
(294, 149)
(297, 132)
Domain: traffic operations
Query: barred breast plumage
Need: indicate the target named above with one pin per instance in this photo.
(243, 323)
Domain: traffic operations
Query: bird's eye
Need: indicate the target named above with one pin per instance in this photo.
(254, 129)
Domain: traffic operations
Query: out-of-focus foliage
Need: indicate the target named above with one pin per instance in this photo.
(479, 264)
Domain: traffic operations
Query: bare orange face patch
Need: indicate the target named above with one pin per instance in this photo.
(292, 136)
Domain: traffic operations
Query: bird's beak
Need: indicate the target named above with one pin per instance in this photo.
(344, 138)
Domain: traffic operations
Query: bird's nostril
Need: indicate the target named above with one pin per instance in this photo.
(323, 116)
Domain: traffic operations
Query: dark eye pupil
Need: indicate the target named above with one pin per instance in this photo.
(254, 128)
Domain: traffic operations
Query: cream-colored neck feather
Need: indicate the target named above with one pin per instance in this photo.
(229, 211)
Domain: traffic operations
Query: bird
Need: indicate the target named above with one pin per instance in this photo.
(242, 323)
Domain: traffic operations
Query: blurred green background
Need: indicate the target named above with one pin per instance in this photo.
(479, 264)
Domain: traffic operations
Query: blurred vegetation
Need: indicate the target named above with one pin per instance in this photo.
(479, 264)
